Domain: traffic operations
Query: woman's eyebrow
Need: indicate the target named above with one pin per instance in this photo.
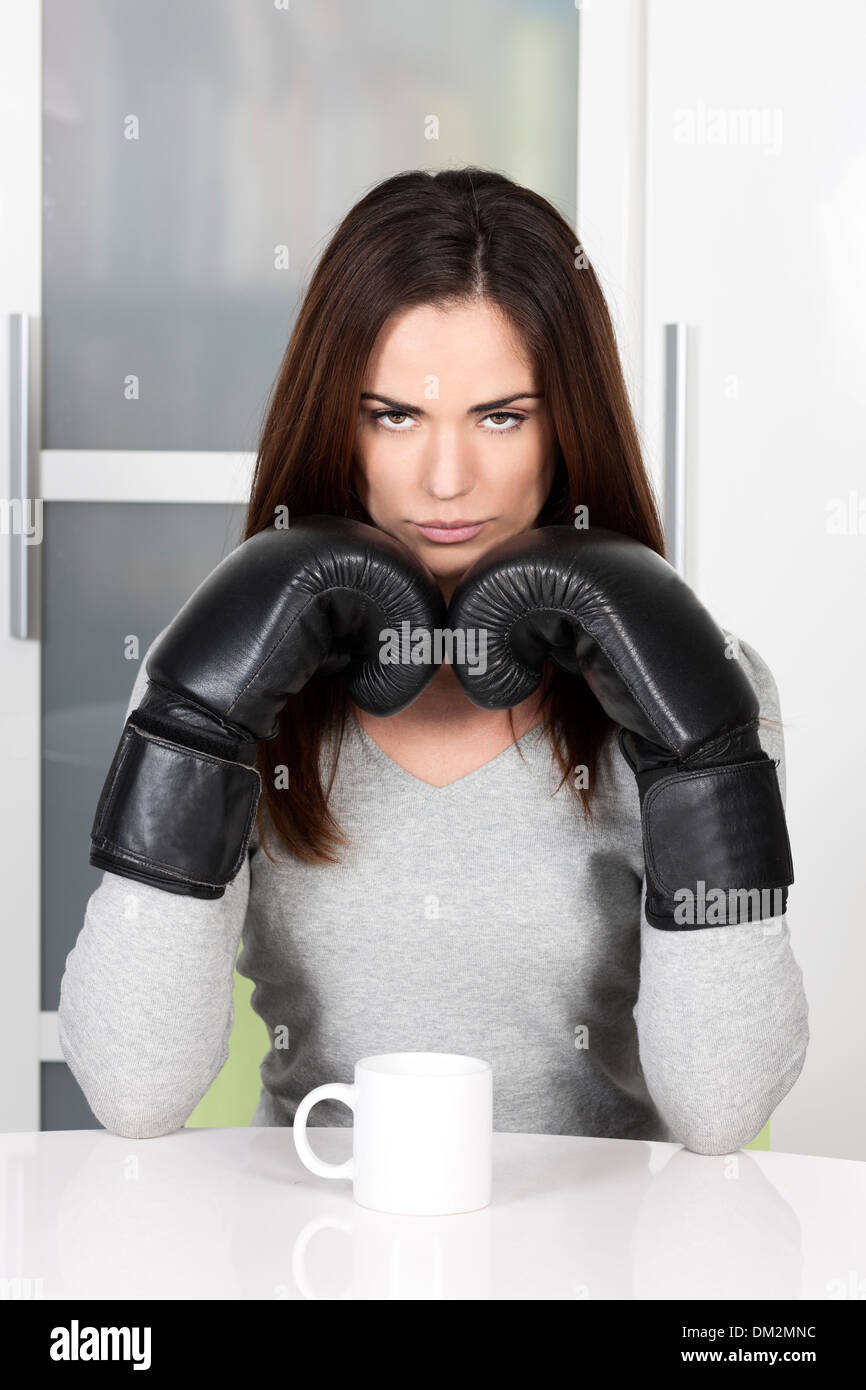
(404, 408)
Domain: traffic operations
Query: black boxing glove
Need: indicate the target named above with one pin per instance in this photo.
(180, 798)
(606, 607)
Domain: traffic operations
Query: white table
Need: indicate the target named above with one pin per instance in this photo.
(233, 1214)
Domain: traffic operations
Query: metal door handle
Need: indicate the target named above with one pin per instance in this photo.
(19, 469)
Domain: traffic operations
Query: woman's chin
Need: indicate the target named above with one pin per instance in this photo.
(449, 561)
(450, 569)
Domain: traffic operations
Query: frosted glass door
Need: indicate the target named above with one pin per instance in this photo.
(196, 158)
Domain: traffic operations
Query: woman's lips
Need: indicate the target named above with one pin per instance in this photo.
(450, 532)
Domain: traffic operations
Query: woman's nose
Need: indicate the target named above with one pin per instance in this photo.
(449, 470)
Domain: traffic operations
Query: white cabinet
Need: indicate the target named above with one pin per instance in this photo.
(735, 202)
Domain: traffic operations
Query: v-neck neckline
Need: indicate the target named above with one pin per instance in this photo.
(401, 774)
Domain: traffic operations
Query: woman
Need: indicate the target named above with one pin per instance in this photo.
(447, 878)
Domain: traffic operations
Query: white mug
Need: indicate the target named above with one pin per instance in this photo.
(422, 1139)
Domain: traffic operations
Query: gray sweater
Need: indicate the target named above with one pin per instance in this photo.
(484, 917)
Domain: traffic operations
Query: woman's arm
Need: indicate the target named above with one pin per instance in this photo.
(146, 999)
(145, 1008)
(722, 1017)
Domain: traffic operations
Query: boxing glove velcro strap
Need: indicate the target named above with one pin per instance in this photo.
(178, 818)
(709, 829)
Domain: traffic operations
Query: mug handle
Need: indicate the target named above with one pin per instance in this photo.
(337, 1090)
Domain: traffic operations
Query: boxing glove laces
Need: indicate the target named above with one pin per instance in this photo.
(602, 606)
(179, 802)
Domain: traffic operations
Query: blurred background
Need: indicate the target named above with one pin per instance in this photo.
(169, 175)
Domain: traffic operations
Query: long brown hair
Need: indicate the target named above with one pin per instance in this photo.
(423, 238)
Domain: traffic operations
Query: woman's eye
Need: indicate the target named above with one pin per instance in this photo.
(505, 415)
(382, 415)
(505, 421)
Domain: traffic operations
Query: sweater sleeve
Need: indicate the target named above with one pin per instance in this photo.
(146, 1007)
(721, 1016)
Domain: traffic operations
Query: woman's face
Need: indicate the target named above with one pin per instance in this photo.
(454, 449)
